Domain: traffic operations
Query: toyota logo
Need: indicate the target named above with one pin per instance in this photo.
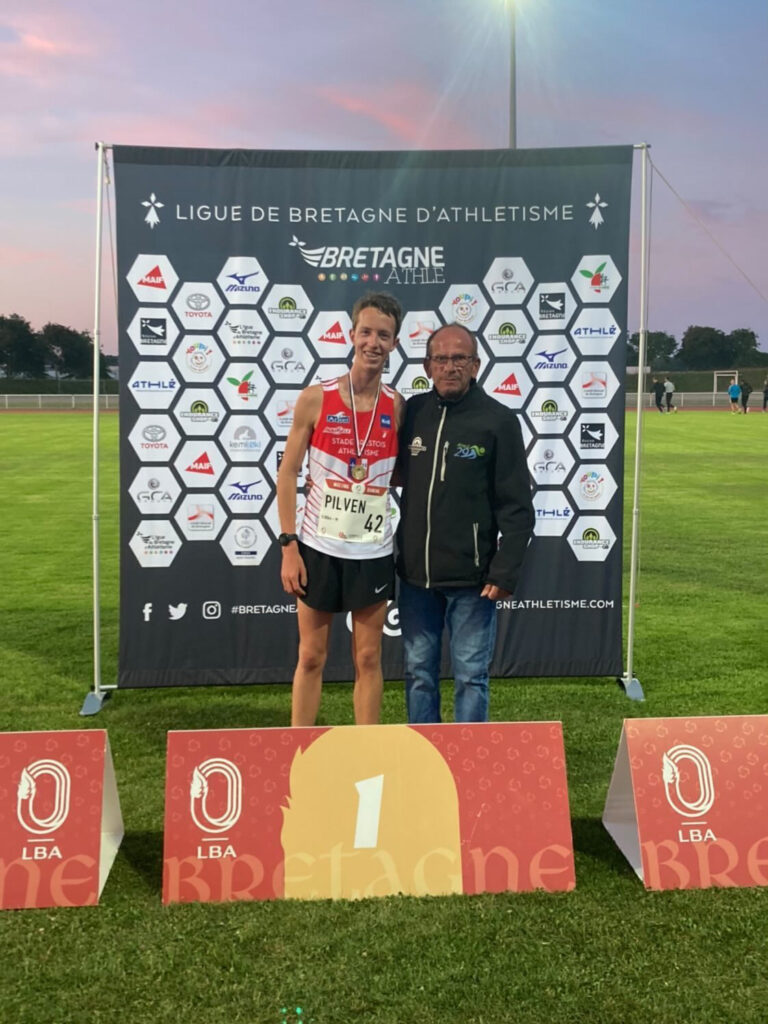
(198, 301)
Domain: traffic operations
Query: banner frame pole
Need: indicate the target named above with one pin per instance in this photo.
(628, 681)
(95, 698)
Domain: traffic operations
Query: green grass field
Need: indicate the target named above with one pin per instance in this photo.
(607, 952)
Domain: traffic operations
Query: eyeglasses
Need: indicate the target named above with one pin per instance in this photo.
(458, 361)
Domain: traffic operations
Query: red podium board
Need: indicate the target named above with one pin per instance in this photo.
(688, 801)
(60, 821)
(359, 811)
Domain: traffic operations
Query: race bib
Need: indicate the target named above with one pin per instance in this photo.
(352, 511)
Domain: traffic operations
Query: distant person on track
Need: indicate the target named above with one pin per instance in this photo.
(657, 390)
(734, 393)
(746, 391)
(669, 390)
(765, 395)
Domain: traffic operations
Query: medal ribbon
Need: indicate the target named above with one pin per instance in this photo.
(358, 449)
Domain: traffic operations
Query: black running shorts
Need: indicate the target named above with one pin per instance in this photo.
(344, 584)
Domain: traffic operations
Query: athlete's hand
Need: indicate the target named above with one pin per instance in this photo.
(494, 593)
(293, 573)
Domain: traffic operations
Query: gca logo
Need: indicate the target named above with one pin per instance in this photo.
(670, 773)
(200, 789)
(27, 791)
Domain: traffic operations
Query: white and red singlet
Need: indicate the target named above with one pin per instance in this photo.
(351, 458)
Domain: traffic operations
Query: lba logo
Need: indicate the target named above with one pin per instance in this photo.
(694, 799)
(44, 786)
(215, 783)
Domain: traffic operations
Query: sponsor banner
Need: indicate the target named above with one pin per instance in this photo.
(688, 801)
(343, 812)
(60, 820)
(230, 304)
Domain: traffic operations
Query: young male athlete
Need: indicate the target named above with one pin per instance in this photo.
(341, 558)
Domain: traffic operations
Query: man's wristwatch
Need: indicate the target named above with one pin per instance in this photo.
(285, 539)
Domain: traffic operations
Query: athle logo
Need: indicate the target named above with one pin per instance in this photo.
(689, 796)
(28, 792)
(200, 791)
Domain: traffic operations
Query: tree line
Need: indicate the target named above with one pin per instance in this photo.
(55, 350)
(65, 352)
(701, 348)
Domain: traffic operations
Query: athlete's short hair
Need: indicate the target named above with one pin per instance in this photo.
(382, 301)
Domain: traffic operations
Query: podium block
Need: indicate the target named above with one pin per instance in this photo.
(688, 801)
(60, 820)
(359, 811)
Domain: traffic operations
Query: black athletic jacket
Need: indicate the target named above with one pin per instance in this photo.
(465, 481)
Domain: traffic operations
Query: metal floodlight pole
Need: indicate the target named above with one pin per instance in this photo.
(631, 685)
(512, 78)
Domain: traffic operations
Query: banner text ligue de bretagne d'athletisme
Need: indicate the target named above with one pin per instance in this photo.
(237, 272)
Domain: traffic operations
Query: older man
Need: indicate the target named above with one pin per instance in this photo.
(466, 520)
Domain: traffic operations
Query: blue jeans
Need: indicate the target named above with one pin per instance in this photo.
(471, 623)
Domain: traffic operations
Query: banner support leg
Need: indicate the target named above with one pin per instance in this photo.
(629, 683)
(631, 687)
(94, 700)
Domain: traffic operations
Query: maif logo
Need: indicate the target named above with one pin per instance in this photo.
(672, 776)
(28, 791)
(200, 791)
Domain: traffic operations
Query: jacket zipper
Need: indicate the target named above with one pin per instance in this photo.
(475, 527)
(429, 493)
(442, 465)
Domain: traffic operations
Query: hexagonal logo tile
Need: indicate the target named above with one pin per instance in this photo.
(242, 281)
(245, 542)
(550, 411)
(243, 333)
(551, 358)
(245, 490)
(154, 438)
(329, 335)
(551, 306)
(153, 331)
(288, 308)
(592, 487)
(594, 384)
(200, 464)
(155, 490)
(412, 380)
(508, 281)
(200, 516)
(508, 333)
(554, 513)
(415, 330)
(199, 412)
(591, 538)
(595, 332)
(153, 385)
(593, 435)
(244, 439)
(279, 410)
(198, 306)
(198, 359)
(155, 543)
(243, 386)
(508, 383)
(464, 304)
(152, 278)
(287, 360)
(550, 460)
(596, 279)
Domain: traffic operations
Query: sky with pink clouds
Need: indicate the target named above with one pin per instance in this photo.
(689, 77)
